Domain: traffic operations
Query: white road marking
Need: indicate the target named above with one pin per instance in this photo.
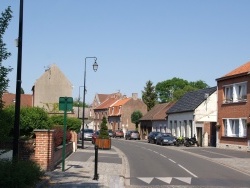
(172, 160)
(163, 155)
(155, 152)
(186, 180)
(166, 179)
(147, 180)
(188, 171)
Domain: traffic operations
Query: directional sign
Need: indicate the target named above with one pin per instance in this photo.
(66, 103)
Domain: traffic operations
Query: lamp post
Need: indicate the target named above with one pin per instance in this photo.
(18, 85)
(95, 67)
(79, 101)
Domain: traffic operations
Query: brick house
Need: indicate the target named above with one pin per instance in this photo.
(234, 109)
(49, 87)
(195, 114)
(156, 119)
(118, 110)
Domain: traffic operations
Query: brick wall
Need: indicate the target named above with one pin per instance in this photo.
(232, 110)
(45, 153)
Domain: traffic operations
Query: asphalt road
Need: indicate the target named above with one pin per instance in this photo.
(152, 165)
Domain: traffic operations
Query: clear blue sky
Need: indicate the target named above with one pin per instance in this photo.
(134, 41)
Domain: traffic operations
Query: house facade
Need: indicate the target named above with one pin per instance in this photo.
(156, 119)
(234, 109)
(117, 109)
(195, 114)
(49, 87)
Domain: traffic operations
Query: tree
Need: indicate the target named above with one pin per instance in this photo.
(4, 54)
(104, 129)
(135, 117)
(149, 96)
(175, 88)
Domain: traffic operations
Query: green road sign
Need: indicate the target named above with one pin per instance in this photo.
(66, 103)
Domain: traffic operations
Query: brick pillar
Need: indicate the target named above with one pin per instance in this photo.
(74, 139)
(44, 150)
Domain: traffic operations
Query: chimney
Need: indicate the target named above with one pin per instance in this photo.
(135, 96)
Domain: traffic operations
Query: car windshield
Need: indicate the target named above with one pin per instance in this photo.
(88, 130)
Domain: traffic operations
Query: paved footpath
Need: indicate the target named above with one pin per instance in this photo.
(80, 169)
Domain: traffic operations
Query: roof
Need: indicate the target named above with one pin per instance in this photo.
(158, 112)
(107, 103)
(191, 100)
(121, 102)
(116, 106)
(10, 98)
(102, 97)
(241, 70)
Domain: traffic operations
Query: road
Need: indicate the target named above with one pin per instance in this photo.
(152, 165)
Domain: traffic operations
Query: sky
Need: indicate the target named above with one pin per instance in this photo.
(134, 41)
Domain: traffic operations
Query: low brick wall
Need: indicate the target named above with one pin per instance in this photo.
(58, 153)
(45, 153)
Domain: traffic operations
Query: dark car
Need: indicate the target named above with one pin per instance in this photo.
(165, 139)
(152, 137)
(94, 136)
(118, 133)
(135, 135)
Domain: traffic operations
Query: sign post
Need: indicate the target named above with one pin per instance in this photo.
(65, 104)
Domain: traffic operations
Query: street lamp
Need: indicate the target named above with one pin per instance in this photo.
(95, 67)
(18, 86)
(79, 101)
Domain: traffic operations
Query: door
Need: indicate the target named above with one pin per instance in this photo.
(213, 134)
(199, 135)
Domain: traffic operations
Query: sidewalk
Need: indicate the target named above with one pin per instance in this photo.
(80, 166)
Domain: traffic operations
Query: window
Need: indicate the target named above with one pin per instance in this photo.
(229, 94)
(235, 127)
(235, 92)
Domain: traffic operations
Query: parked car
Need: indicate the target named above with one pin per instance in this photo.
(88, 134)
(111, 133)
(165, 139)
(118, 133)
(135, 135)
(152, 137)
(94, 136)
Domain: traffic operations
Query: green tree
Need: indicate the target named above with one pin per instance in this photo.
(104, 129)
(135, 117)
(4, 54)
(175, 88)
(149, 96)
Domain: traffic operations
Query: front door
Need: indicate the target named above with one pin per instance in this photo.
(199, 135)
(213, 134)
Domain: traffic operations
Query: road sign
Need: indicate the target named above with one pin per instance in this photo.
(66, 103)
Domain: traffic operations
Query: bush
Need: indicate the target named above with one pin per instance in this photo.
(73, 124)
(20, 174)
(104, 129)
(30, 118)
(58, 138)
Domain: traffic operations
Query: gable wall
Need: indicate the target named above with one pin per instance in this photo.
(207, 108)
(50, 86)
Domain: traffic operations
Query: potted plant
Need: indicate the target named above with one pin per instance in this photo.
(103, 141)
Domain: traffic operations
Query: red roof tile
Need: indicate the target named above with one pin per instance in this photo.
(240, 70)
(9, 99)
